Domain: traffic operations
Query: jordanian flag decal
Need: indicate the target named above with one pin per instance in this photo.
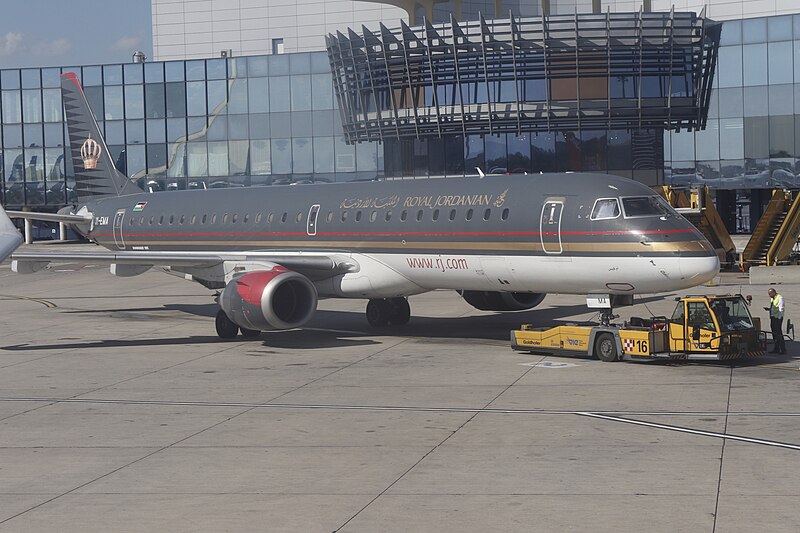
(139, 206)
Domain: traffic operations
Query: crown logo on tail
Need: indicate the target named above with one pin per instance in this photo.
(90, 153)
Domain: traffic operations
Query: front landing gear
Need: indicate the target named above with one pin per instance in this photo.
(385, 311)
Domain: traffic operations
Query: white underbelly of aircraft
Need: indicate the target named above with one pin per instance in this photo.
(585, 275)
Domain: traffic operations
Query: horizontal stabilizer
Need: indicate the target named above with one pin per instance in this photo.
(51, 217)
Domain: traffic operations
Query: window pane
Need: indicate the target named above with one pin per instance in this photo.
(217, 96)
(779, 28)
(174, 70)
(32, 105)
(112, 74)
(216, 69)
(323, 154)
(155, 102)
(176, 99)
(756, 101)
(302, 155)
(281, 156)
(115, 132)
(279, 94)
(176, 129)
(731, 138)
(731, 102)
(301, 93)
(218, 158)
(781, 136)
(754, 30)
(113, 103)
(258, 95)
(729, 68)
(780, 57)
(196, 98)
(756, 137)
(238, 152)
(260, 161)
(781, 99)
(197, 159)
(156, 131)
(755, 64)
(135, 131)
(134, 101)
(238, 98)
(322, 91)
(154, 72)
(133, 73)
(135, 160)
(707, 141)
(345, 157)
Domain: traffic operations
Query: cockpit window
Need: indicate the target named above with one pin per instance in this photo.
(645, 206)
(605, 208)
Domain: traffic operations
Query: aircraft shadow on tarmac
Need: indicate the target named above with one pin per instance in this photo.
(328, 329)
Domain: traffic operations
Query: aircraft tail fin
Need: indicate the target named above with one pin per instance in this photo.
(95, 173)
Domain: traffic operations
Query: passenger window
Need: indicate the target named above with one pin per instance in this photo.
(435, 214)
(132, 221)
(151, 220)
(419, 215)
(504, 215)
(183, 217)
(284, 217)
(141, 221)
(373, 216)
(358, 216)
(452, 214)
(329, 218)
(234, 218)
(246, 218)
(605, 208)
(194, 219)
(299, 217)
(344, 216)
(404, 215)
(258, 218)
(214, 218)
(388, 216)
(469, 214)
(171, 219)
(161, 220)
(203, 220)
(487, 214)
(270, 217)
(225, 218)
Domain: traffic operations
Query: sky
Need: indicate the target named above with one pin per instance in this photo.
(48, 33)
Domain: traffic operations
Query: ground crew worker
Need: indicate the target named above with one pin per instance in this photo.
(775, 309)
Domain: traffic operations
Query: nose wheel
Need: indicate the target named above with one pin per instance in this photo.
(384, 311)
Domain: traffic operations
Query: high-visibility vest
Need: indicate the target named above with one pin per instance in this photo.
(774, 310)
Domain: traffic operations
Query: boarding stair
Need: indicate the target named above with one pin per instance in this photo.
(776, 232)
(695, 205)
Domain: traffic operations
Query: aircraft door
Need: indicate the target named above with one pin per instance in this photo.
(117, 229)
(550, 226)
(313, 213)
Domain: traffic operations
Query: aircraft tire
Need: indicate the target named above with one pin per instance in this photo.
(400, 311)
(250, 333)
(226, 329)
(378, 312)
(606, 348)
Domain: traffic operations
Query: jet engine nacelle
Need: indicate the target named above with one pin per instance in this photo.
(502, 301)
(267, 300)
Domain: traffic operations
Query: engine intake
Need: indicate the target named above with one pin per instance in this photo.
(267, 300)
(502, 301)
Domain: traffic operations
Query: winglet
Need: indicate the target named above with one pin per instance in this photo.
(10, 237)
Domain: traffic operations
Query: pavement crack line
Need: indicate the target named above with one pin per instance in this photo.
(475, 413)
(722, 454)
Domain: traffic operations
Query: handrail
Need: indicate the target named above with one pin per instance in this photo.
(786, 237)
(775, 207)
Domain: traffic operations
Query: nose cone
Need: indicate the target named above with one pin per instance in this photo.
(697, 270)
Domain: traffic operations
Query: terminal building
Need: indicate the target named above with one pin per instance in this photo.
(260, 92)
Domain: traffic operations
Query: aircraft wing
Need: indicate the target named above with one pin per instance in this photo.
(316, 265)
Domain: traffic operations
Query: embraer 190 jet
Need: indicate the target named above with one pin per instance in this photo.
(271, 252)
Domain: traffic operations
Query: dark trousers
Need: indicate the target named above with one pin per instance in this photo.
(776, 325)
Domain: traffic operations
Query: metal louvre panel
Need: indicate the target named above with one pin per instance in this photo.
(627, 71)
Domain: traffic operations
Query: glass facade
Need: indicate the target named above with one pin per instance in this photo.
(182, 124)
(752, 138)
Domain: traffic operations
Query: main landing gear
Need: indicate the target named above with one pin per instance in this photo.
(226, 329)
(385, 311)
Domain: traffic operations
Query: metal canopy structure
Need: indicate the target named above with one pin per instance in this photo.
(613, 71)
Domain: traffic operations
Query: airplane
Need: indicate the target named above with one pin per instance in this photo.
(503, 242)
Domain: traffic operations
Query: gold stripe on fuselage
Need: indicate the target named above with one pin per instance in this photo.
(567, 247)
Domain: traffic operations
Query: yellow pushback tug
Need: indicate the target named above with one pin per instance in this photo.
(702, 327)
